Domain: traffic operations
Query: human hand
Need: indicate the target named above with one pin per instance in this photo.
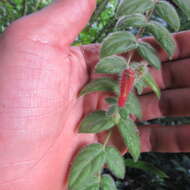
(40, 77)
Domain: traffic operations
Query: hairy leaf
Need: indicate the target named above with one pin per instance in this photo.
(128, 7)
(96, 122)
(149, 54)
(115, 162)
(107, 183)
(118, 42)
(152, 83)
(146, 167)
(87, 164)
(163, 36)
(131, 137)
(112, 110)
(132, 107)
(140, 85)
(111, 100)
(92, 184)
(184, 5)
(102, 84)
(111, 65)
(166, 11)
(134, 21)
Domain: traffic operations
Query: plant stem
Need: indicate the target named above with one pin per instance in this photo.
(107, 138)
(138, 35)
(24, 8)
(129, 59)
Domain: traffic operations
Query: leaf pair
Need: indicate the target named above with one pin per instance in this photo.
(132, 13)
(123, 42)
(99, 121)
(86, 170)
(163, 9)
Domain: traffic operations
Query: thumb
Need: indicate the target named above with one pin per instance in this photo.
(59, 23)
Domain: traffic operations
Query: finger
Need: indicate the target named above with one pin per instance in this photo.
(165, 138)
(91, 55)
(59, 23)
(174, 102)
(173, 75)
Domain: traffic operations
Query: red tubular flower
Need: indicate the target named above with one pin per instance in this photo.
(126, 85)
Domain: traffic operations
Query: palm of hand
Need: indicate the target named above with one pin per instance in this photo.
(39, 109)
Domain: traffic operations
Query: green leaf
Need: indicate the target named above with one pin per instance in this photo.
(140, 85)
(87, 164)
(115, 162)
(118, 42)
(132, 107)
(113, 114)
(124, 113)
(152, 83)
(111, 100)
(134, 21)
(163, 37)
(105, 84)
(184, 5)
(96, 122)
(93, 184)
(92, 187)
(146, 167)
(113, 109)
(111, 65)
(107, 183)
(128, 7)
(166, 11)
(131, 137)
(149, 54)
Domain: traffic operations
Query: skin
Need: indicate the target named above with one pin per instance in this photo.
(40, 77)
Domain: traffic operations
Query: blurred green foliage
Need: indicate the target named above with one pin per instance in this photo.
(101, 23)
(11, 10)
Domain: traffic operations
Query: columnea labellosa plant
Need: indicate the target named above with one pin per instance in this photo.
(136, 18)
